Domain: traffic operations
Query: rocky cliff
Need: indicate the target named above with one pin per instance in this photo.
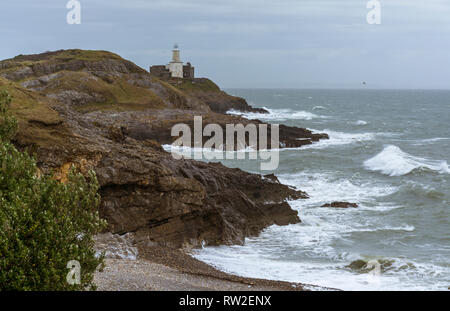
(209, 93)
(95, 110)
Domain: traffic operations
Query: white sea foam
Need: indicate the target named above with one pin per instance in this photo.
(430, 141)
(321, 227)
(307, 252)
(411, 188)
(341, 138)
(393, 161)
(335, 139)
(277, 115)
(435, 139)
(250, 261)
(404, 227)
(325, 188)
(320, 108)
(209, 151)
(360, 122)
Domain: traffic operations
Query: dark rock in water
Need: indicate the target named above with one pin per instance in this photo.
(95, 110)
(341, 205)
(365, 266)
(357, 265)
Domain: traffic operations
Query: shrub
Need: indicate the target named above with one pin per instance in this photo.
(8, 124)
(44, 224)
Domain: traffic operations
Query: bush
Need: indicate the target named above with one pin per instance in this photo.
(44, 224)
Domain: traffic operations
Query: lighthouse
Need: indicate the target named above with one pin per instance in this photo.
(175, 69)
(176, 65)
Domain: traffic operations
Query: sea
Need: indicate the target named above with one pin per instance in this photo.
(388, 152)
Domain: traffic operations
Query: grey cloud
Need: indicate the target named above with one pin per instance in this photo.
(251, 43)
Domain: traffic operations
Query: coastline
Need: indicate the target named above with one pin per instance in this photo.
(94, 110)
(224, 155)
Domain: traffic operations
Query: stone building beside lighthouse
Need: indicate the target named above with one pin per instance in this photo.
(175, 69)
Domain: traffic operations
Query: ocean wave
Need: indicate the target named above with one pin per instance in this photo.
(328, 187)
(419, 190)
(388, 265)
(276, 115)
(400, 267)
(208, 152)
(430, 141)
(307, 252)
(360, 122)
(319, 108)
(407, 228)
(381, 207)
(335, 139)
(434, 139)
(393, 161)
(341, 138)
(352, 272)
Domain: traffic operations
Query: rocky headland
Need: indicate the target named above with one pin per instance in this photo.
(96, 110)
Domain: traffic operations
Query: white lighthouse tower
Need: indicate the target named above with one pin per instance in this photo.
(176, 65)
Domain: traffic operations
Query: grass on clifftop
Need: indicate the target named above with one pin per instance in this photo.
(19, 62)
(63, 55)
(38, 122)
(116, 96)
(27, 106)
(103, 86)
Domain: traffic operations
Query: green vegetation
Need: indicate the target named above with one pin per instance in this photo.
(99, 88)
(60, 56)
(27, 105)
(44, 224)
(88, 55)
(8, 124)
(71, 58)
(119, 95)
(38, 123)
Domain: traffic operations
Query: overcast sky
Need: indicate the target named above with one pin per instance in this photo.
(251, 43)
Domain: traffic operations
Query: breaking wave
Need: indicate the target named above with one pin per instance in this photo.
(360, 122)
(418, 190)
(393, 161)
(430, 141)
(320, 108)
(341, 138)
(276, 115)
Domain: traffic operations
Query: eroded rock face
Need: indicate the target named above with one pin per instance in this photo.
(221, 102)
(178, 203)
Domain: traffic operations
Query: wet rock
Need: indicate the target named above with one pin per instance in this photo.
(272, 177)
(371, 265)
(357, 265)
(221, 102)
(341, 205)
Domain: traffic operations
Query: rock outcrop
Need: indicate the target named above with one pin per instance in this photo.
(341, 205)
(209, 93)
(95, 110)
